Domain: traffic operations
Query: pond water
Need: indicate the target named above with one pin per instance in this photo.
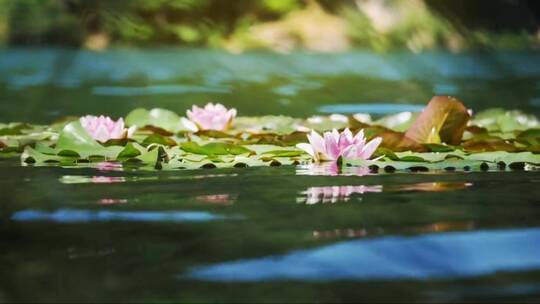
(276, 234)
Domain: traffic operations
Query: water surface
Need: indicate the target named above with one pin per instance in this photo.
(278, 234)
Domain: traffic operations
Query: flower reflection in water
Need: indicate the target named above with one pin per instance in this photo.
(217, 199)
(107, 179)
(109, 166)
(429, 187)
(334, 194)
(111, 201)
(331, 169)
(377, 231)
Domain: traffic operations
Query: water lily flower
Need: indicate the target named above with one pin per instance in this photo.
(103, 128)
(211, 117)
(333, 145)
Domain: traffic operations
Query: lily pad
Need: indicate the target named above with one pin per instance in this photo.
(216, 148)
(161, 118)
(75, 139)
(505, 121)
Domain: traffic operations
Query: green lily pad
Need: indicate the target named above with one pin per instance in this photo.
(216, 148)
(161, 118)
(75, 140)
(399, 122)
(505, 121)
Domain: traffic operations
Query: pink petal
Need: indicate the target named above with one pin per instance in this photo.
(101, 134)
(317, 142)
(309, 150)
(331, 146)
(370, 148)
(359, 139)
(351, 152)
(131, 131)
(345, 139)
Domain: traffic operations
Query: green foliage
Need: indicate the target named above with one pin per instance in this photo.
(214, 149)
(160, 118)
(229, 24)
(434, 140)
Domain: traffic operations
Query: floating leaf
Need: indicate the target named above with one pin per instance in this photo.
(160, 118)
(400, 122)
(531, 137)
(131, 150)
(150, 157)
(216, 148)
(277, 124)
(504, 121)
(395, 141)
(75, 139)
(159, 139)
(447, 165)
(506, 157)
(496, 144)
(443, 120)
(31, 155)
(285, 153)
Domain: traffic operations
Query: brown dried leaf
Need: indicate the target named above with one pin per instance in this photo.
(443, 120)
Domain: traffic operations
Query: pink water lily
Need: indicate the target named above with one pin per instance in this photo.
(103, 128)
(212, 117)
(332, 145)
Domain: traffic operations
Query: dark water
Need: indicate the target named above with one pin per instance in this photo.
(263, 234)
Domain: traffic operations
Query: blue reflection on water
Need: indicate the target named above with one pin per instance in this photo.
(445, 255)
(21, 67)
(156, 90)
(73, 216)
(373, 108)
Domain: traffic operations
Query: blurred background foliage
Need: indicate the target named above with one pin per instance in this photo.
(281, 25)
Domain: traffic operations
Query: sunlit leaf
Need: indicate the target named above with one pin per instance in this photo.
(400, 122)
(443, 120)
(74, 138)
(161, 118)
(504, 121)
(506, 157)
